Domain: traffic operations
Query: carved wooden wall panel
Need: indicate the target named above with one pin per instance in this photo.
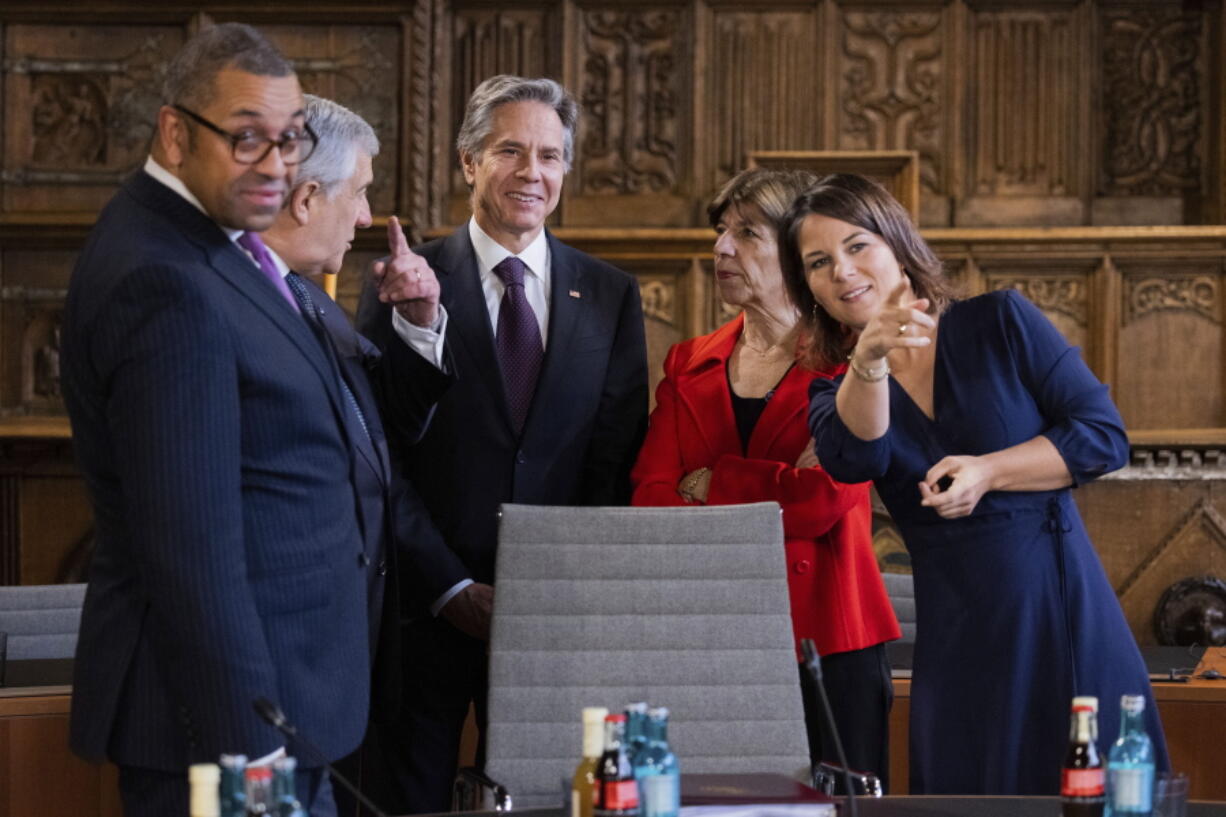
(894, 93)
(79, 103)
(632, 80)
(1152, 529)
(1155, 79)
(31, 311)
(359, 67)
(1060, 288)
(762, 77)
(1172, 372)
(480, 42)
(1025, 82)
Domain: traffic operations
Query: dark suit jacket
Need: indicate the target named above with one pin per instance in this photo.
(583, 429)
(208, 421)
(391, 514)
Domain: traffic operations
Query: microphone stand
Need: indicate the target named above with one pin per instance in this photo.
(273, 715)
(813, 663)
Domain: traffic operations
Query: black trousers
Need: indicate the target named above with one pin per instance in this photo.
(155, 793)
(409, 764)
(861, 694)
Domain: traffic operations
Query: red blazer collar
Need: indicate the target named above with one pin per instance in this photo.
(702, 384)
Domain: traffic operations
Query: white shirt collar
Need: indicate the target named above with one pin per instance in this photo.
(176, 184)
(490, 253)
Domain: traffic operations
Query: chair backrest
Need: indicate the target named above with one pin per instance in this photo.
(901, 590)
(41, 620)
(682, 607)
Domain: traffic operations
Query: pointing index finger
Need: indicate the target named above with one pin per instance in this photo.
(396, 242)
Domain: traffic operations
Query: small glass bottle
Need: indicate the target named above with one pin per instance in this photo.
(284, 795)
(204, 780)
(1081, 784)
(618, 793)
(636, 723)
(583, 785)
(1130, 764)
(233, 785)
(659, 775)
(259, 791)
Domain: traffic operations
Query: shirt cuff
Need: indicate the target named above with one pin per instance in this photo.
(427, 341)
(442, 600)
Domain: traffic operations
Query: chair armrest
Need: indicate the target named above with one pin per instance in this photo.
(828, 778)
(475, 791)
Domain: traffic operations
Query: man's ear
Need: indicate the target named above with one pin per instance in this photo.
(302, 201)
(468, 162)
(172, 136)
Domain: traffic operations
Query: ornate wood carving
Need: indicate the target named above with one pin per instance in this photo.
(1154, 67)
(1201, 523)
(1023, 79)
(486, 42)
(423, 109)
(1051, 293)
(632, 88)
(87, 99)
(763, 91)
(1192, 293)
(891, 81)
(359, 67)
(658, 300)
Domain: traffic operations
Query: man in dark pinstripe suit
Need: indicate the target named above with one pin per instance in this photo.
(218, 444)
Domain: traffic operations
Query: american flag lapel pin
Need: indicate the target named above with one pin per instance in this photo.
(574, 293)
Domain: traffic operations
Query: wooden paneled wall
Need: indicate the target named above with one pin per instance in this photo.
(1036, 124)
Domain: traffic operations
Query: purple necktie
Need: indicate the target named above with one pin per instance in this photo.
(519, 341)
(252, 244)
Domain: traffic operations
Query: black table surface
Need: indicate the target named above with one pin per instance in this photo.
(37, 672)
(918, 806)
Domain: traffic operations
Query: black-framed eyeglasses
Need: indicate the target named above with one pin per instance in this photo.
(250, 148)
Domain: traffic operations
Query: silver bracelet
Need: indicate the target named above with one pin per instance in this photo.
(868, 375)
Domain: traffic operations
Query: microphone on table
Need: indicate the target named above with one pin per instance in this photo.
(813, 663)
(275, 718)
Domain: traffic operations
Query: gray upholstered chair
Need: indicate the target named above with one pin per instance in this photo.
(41, 620)
(901, 590)
(683, 607)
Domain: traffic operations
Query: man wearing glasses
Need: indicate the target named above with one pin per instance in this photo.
(218, 444)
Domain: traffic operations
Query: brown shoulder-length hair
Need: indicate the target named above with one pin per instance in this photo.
(856, 200)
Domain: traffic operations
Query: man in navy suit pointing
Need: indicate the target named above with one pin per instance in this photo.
(218, 442)
(535, 356)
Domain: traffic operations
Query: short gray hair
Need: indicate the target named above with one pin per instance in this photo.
(504, 89)
(191, 74)
(341, 133)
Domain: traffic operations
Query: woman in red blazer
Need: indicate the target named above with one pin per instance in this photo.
(730, 426)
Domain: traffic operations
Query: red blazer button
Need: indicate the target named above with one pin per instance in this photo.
(802, 566)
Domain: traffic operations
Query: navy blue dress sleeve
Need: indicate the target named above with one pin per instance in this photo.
(842, 454)
(1083, 423)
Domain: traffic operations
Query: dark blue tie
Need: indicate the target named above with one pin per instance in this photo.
(519, 341)
(307, 304)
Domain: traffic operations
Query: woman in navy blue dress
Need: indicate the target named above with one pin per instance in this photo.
(973, 418)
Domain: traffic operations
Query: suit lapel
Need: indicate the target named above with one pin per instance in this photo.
(343, 343)
(468, 323)
(703, 389)
(565, 277)
(236, 268)
(785, 412)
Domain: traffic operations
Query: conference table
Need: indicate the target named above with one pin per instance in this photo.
(38, 775)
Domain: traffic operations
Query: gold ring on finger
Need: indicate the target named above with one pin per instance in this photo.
(902, 328)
